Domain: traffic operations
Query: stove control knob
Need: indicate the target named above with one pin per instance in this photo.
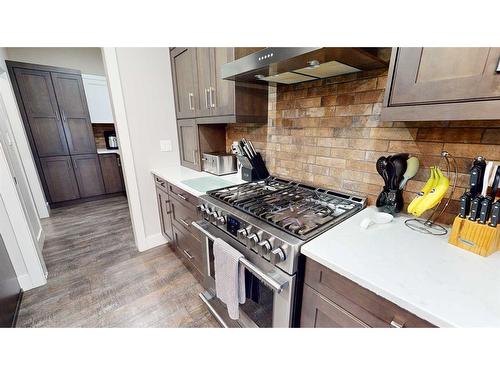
(253, 240)
(277, 255)
(264, 247)
(201, 207)
(241, 234)
(213, 217)
(206, 213)
(221, 220)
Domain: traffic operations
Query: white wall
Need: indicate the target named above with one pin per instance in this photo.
(87, 60)
(143, 100)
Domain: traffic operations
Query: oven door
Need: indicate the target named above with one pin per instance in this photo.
(269, 291)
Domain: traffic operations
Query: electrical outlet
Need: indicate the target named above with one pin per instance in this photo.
(166, 145)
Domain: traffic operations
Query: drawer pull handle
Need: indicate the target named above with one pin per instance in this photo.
(185, 223)
(190, 257)
(181, 196)
(395, 324)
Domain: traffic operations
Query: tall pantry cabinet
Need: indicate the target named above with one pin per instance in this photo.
(56, 117)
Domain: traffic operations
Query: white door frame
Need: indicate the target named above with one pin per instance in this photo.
(121, 126)
(22, 247)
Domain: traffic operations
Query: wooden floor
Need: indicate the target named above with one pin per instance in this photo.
(97, 278)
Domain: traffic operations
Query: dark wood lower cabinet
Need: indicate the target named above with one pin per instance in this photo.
(88, 175)
(111, 173)
(319, 312)
(177, 210)
(331, 300)
(60, 178)
(165, 214)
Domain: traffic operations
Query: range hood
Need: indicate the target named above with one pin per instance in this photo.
(288, 65)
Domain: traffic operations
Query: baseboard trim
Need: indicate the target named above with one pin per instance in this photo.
(153, 241)
(18, 307)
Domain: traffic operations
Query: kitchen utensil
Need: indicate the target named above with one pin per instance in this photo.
(475, 207)
(496, 183)
(377, 218)
(486, 177)
(487, 201)
(412, 165)
(252, 148)
(399, 162)
(476, 175)
(465, 204)
(381, 169)
(495, 214)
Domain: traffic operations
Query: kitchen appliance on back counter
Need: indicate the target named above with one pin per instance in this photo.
(267, 221)
(219, 163)
(253, 167)
(111, 140)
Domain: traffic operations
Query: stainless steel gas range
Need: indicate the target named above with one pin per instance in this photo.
(267, 221)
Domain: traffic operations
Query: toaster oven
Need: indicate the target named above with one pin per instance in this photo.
(219, 163)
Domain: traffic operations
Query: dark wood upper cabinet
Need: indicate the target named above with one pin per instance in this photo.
(183, 61)
(43, 121)
(188, 143)
(60, 178)
(74, 111)
(205, 81)
(198, 70)
(443, 84)
(111, 173)
(88, 175)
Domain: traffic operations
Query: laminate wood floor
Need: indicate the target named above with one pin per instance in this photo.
(97, 278)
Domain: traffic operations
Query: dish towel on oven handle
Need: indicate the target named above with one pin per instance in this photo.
(229, 277)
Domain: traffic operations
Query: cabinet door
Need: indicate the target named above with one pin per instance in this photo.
(222, 94)
(97, 95)
(318, 312)
(88, 175)
(183, 61)
(60, 178)
(40, 104)
(165, 214)
(205, 81)
(111, 173)
(188, 143)
(74, 111)
(445, 75)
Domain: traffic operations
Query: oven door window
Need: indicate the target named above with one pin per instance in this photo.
(259, 303)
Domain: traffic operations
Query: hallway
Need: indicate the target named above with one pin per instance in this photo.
(97, 278)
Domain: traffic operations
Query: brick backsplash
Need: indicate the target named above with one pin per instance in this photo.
(329, 133)
(99, 130)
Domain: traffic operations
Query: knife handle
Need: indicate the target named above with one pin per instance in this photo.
(475, 208)
(475, 174)
(465, 204)
(484, 214)
(495, 213)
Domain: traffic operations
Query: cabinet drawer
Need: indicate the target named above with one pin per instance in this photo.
(318, 312)
(183, 216)
(181, 195)
(189, 246)
(367, 306)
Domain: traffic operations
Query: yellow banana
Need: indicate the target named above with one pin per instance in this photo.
(431, 182)
(433, 198)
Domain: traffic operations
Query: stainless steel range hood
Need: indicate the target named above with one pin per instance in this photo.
(289, 65)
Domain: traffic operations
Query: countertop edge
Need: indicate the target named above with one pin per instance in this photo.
(433, 319)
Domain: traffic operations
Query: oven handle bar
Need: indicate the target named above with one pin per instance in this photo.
(276, 285)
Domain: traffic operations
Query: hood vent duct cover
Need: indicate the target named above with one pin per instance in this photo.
(295, 64)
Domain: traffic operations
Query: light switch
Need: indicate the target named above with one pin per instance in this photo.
(166, 145)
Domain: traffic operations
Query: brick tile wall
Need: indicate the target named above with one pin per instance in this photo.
(329, 133)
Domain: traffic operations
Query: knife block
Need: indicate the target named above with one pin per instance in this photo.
(478, 238)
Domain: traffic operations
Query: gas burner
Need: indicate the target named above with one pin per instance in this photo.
(297, 209)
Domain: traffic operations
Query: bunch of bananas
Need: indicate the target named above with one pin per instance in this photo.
(431, 194)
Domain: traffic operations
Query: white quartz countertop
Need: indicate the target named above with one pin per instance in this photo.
(436, 281)
(177, 174)
(107, 151)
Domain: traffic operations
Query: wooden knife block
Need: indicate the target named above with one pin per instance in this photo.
(478, 238)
